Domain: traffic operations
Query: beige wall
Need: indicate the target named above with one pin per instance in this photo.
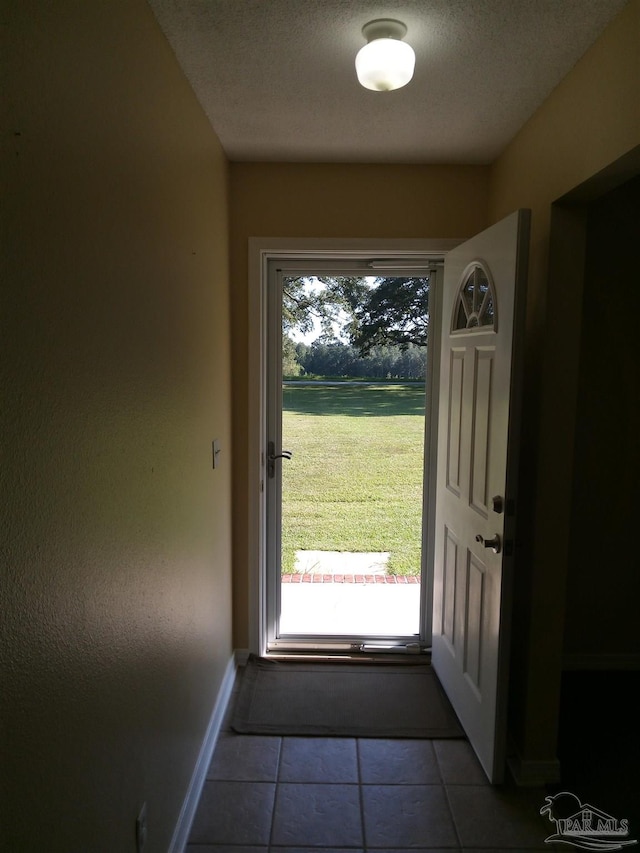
(115, 590)
(320, 201)
(588, 122)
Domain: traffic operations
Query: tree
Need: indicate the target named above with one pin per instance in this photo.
(395, 312)
(291, 365)
(327, 300)
(330, 357)
(298, 305)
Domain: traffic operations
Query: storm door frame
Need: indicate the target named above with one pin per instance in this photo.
(325, 253)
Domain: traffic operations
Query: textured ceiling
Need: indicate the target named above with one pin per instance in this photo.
(277, 80)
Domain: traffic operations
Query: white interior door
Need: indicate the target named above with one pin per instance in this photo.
(475, 495)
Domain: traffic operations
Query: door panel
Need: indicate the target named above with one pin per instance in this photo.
(450, 583)
(476, 583)
(483, 369)
(476, 462)
(454, 420)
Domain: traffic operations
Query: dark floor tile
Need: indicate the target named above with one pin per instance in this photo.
(494, 818)
(317, 816)
(234, 813)
(397, 762)
(458, 763)
(313, 759)
(397, 816)
(223, 848)
(316, 850)
(246, 758)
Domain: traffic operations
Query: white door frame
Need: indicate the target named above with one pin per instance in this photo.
(261, 250)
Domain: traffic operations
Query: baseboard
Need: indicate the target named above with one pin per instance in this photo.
(188, 811)
(533, 774)
(242, 656)
(601, 662)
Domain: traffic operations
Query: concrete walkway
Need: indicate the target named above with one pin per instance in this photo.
(325, 608)
(341, 562)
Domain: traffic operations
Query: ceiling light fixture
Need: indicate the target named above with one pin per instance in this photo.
(385, 62)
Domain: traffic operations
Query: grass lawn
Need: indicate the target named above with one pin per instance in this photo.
(355, 480)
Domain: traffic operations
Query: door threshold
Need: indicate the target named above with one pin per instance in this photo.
(306, 657)
(365, 653)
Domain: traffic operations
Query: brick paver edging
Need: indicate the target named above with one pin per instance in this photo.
(309, 577)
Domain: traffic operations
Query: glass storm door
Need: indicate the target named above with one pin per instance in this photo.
(344, 461)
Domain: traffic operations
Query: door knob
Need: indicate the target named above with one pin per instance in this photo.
(495, 544)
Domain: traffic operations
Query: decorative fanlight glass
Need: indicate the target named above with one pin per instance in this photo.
(476, 303)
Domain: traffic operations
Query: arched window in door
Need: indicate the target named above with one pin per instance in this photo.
(475, 306)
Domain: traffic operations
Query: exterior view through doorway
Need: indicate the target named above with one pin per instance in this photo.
(348, 367)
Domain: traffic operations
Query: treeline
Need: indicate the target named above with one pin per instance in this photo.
(330, 357)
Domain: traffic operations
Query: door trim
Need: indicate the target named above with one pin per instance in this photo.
(261, 250)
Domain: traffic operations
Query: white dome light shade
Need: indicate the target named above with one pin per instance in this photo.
(386, 62)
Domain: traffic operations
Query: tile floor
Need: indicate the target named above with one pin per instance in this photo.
(295, 794)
